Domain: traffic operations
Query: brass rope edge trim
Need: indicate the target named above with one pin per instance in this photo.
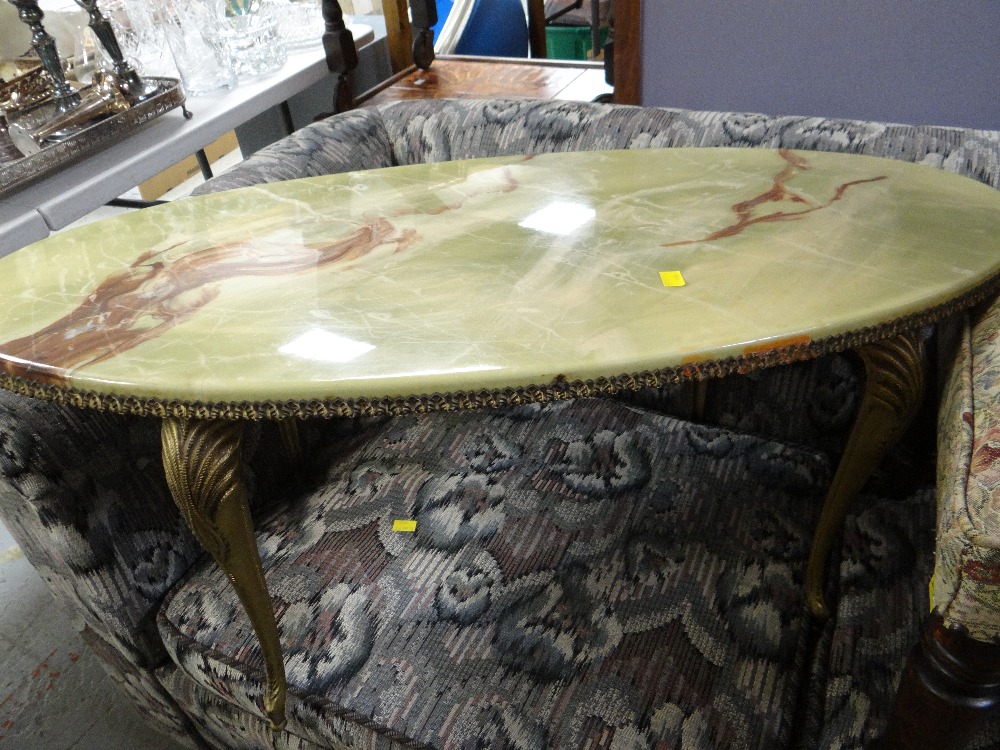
(559, 390)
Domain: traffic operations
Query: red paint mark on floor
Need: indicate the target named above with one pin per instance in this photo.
(41, 679)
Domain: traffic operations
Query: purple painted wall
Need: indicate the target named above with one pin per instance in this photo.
(913, 61)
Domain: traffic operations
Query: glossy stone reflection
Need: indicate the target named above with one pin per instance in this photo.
(780, 193)
(161, 290)
(529, 272)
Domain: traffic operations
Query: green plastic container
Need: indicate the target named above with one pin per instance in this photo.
(570, 42)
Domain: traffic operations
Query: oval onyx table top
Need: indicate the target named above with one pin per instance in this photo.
(492, 280)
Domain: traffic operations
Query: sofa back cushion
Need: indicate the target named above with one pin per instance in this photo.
(350, 141)
(441, 130)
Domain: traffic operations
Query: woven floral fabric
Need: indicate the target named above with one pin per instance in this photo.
(351, 141)
(880, 603)
(441, 130)
(83, 493)
(967, 574)
(854, 668)
(424, 130)
(84, 496)
(853, 671)
(810, 403)
(223, 725)
(582, 572)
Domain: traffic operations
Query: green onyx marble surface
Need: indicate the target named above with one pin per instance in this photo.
(492, 273)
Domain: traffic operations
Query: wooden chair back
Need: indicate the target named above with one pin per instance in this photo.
(413, 44)
(411, 50)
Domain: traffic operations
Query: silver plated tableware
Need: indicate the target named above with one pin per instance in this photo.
(44, 44)
(38, 127)
(132, 86)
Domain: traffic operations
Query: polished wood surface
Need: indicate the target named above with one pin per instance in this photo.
(628, 52)
(483, 77)
(398, 34)
(536, 29)
(458, 77)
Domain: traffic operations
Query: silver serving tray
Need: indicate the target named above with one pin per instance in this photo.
(91, 139)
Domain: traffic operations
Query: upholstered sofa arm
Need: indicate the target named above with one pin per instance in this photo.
(84, 495)
(428, 130)
(351, 141)
(425, 130)
(967, 565)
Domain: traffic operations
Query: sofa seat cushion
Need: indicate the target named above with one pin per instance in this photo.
(580, 572)
(220, 723)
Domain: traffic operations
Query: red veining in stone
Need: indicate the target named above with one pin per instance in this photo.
(777, 194)
(157, 292)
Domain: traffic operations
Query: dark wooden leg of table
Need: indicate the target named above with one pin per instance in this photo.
(894, 385)
(949, 688)
(289, 430)
(202, 462)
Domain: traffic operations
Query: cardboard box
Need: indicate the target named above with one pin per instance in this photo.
(171, 177)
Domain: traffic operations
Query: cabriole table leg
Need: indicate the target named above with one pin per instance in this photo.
(894, 386)
(202, 463)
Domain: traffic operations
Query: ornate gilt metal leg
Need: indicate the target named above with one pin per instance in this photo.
(202, 464)
(894, 385)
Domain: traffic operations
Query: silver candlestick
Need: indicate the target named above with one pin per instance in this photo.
(44, 45)
(134, 88)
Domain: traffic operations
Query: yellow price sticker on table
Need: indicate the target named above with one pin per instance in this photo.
(401, 525)
(672, 278)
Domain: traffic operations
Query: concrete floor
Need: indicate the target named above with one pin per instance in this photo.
(54, 695)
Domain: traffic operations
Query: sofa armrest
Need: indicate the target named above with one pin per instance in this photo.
(84, 495)
(967, 566)
(347, 142)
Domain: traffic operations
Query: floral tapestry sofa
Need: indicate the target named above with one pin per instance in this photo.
(624, 572)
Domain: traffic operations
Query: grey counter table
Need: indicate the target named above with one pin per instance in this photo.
(52, 203)
(20, 226)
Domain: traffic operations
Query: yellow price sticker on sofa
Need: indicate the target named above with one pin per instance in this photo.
(401, 525)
